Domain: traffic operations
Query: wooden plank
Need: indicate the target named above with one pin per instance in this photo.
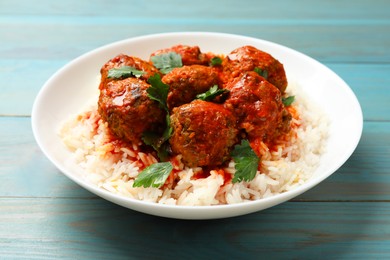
(25, 172)
(21, 81)
(324, 42)
(96, 229)
(202, 9)
(70, 29)
(43, 215)
(370, 84)
(365, 176)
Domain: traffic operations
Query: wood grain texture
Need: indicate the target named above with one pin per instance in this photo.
(324, 42)
(330, 31)
(202, 9)
(44, 215)
(77, 228)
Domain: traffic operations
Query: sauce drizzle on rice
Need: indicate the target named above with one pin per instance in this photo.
(109, 164)
(288, 159)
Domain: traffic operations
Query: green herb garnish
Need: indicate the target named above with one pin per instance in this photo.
(124, 72)
(154, 175)
(158, 91)
(166, 62)
(261, 72)
(210, 94)
(246, 162)
(216, 61)
(287, 101)
(159, 143)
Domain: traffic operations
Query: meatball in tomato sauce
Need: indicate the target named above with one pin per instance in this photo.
(122, 60)
(258, 106)
(248, 58)
(188, 81)
(190, 55)
(129, 112)
(203, 133)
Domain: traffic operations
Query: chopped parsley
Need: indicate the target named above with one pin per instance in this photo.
(287, 101)
(159, 143)
(166, 62)
(154, 175)
(210, 94)
(158, 91)
(261, 72)
(246, 162)
(215, 61)
(124, 72)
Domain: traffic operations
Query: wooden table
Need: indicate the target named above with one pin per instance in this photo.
(44, 215)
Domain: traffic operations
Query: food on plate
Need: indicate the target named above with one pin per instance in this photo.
(189, 55)
(125, 61)
(192, 128)
(203, 133)
(258, 106)
(188, 81)
(127, 109)
(248, 58)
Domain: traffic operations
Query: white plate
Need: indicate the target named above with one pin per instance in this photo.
(67, 91)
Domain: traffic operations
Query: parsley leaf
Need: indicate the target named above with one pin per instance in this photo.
(287, 101)
(210, 94)
(168, 130)
(216, 61)
(124, 72)
(261, 72)
(159, 143)
(158, 91)
(246, 162)
(154, 175)
(166, 62)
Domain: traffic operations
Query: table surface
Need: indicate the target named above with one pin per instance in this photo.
(43, 214)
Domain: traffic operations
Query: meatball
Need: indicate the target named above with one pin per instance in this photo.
(203, 133)
(129, 112)
(188, 81)
(258, 106)
(124, 60)
(247, 58)
(190, 55)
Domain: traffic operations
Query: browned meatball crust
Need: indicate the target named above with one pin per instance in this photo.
(129, 112)
(188, 81)
(247, 58)
(124, 60)
(190, 55)
(203, 133)
(258, 106)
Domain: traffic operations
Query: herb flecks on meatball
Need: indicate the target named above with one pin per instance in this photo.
(188, 81)
(122, 60)
(258, 106)
(249, 58)
(203, 133)
(190, 55)
(129, 112)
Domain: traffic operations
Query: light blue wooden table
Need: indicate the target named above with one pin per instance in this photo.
(44, 215)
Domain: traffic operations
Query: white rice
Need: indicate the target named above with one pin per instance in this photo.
(114, 167)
